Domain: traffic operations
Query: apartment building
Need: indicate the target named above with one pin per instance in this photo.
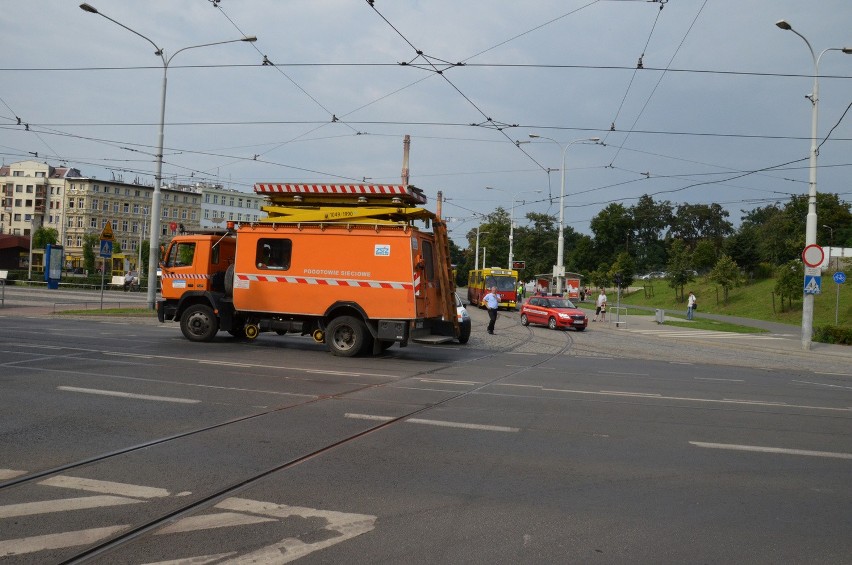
(220, 205)
(33, 195)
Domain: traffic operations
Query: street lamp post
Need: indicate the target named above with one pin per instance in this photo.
(811, 223)
(476, 261)
(559, 270)
(153, 243)
(512, 219)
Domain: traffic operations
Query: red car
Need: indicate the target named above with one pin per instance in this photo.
(554, 312)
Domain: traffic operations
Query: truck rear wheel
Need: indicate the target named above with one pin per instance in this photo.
(346, 336)
(199, 323)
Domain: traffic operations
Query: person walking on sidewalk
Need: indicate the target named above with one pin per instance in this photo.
(492, 302)
(691, 304)
(600, 306)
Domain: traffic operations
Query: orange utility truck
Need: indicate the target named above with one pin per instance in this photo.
(345, 264)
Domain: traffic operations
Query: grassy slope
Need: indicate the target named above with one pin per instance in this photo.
(748, 301)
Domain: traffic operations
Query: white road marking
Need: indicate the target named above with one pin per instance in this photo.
(482, 427)
(63, 505)
(521, 353)
(10, 474)
(449, 382)
(626, 393)
(368, 417)
(834, 374)
(291, 549)
(56, 541)
(619, 373)
(823, 384)
(128, 395)
(705, 333)
(725, 380)
(209, 521)
(105, 487)
(781, 450)
(197, 560)
(764, 402)
(680, 398)
(443, 423)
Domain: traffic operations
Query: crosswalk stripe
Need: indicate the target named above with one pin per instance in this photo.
(63, 505)
(56, 541)
(105, 487)
(10, 474)
(703, 334)
(221, 520)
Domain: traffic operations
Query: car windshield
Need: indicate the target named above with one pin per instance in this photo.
(559, 303)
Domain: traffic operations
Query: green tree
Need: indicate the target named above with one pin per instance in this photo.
(679, 268)
(726, 273)
(788, 281)
(626, 267)
(650, 221)
(704, 255)
(91, 242)
(611, 227)
(44, 236)
(537, 244)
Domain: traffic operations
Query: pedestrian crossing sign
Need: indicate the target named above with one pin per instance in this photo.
(106, 248)
(813, 284)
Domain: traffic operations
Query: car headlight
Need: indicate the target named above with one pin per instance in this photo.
(564, 316)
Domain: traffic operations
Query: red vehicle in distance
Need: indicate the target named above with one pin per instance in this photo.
(553, 312)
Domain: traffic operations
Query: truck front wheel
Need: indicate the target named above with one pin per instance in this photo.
(346, 336)
(199, 323)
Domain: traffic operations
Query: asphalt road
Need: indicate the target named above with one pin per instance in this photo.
(636, 444)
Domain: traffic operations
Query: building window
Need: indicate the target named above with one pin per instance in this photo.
(94, 203)
(93, 223)
(215, 199)
(115, 207)
(105, 206)
(115, 224)
(231, 201)
(165, 212)
(174, 213)
(206, 215)
(19, 188)
(80, 203)
(124, 225)
(183, 214)
(126, 207)
(207, 199)
(29, 189)
(17, 173)
(79, 221)
(136, 208)
(240, 203)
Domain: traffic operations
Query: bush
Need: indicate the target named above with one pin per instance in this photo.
(833, 334)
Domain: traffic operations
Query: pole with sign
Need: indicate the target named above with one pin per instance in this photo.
(839, 278)
(106, 254)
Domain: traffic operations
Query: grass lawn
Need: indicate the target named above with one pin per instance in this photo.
(753, 301)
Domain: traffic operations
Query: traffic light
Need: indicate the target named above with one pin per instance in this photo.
(618, 279)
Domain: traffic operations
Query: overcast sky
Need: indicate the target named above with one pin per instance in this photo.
(335, 104)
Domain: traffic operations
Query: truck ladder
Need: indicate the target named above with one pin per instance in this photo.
(445, 269)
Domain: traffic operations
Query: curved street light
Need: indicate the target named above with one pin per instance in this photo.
(560, 252)
(811, 223)
(153, 243)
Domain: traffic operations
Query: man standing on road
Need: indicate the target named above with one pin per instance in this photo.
(492, 302)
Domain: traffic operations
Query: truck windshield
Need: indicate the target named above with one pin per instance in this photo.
(181, 255)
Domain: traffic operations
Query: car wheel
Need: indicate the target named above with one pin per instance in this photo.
(524, 320)
(464, 333)
(551, 323)
(199, 323)
(346, 336)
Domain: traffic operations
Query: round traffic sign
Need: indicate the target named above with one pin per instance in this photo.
(813, 255)
(840, 277)
(173, 226)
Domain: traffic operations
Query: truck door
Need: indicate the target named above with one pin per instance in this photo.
(178, 270)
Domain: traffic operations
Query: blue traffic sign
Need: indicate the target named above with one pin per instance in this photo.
(813, 284)
(106, 248)
(840, 277)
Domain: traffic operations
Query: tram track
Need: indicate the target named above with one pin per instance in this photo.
(205, 500)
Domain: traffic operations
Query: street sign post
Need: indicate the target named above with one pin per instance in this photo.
(839, 278)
